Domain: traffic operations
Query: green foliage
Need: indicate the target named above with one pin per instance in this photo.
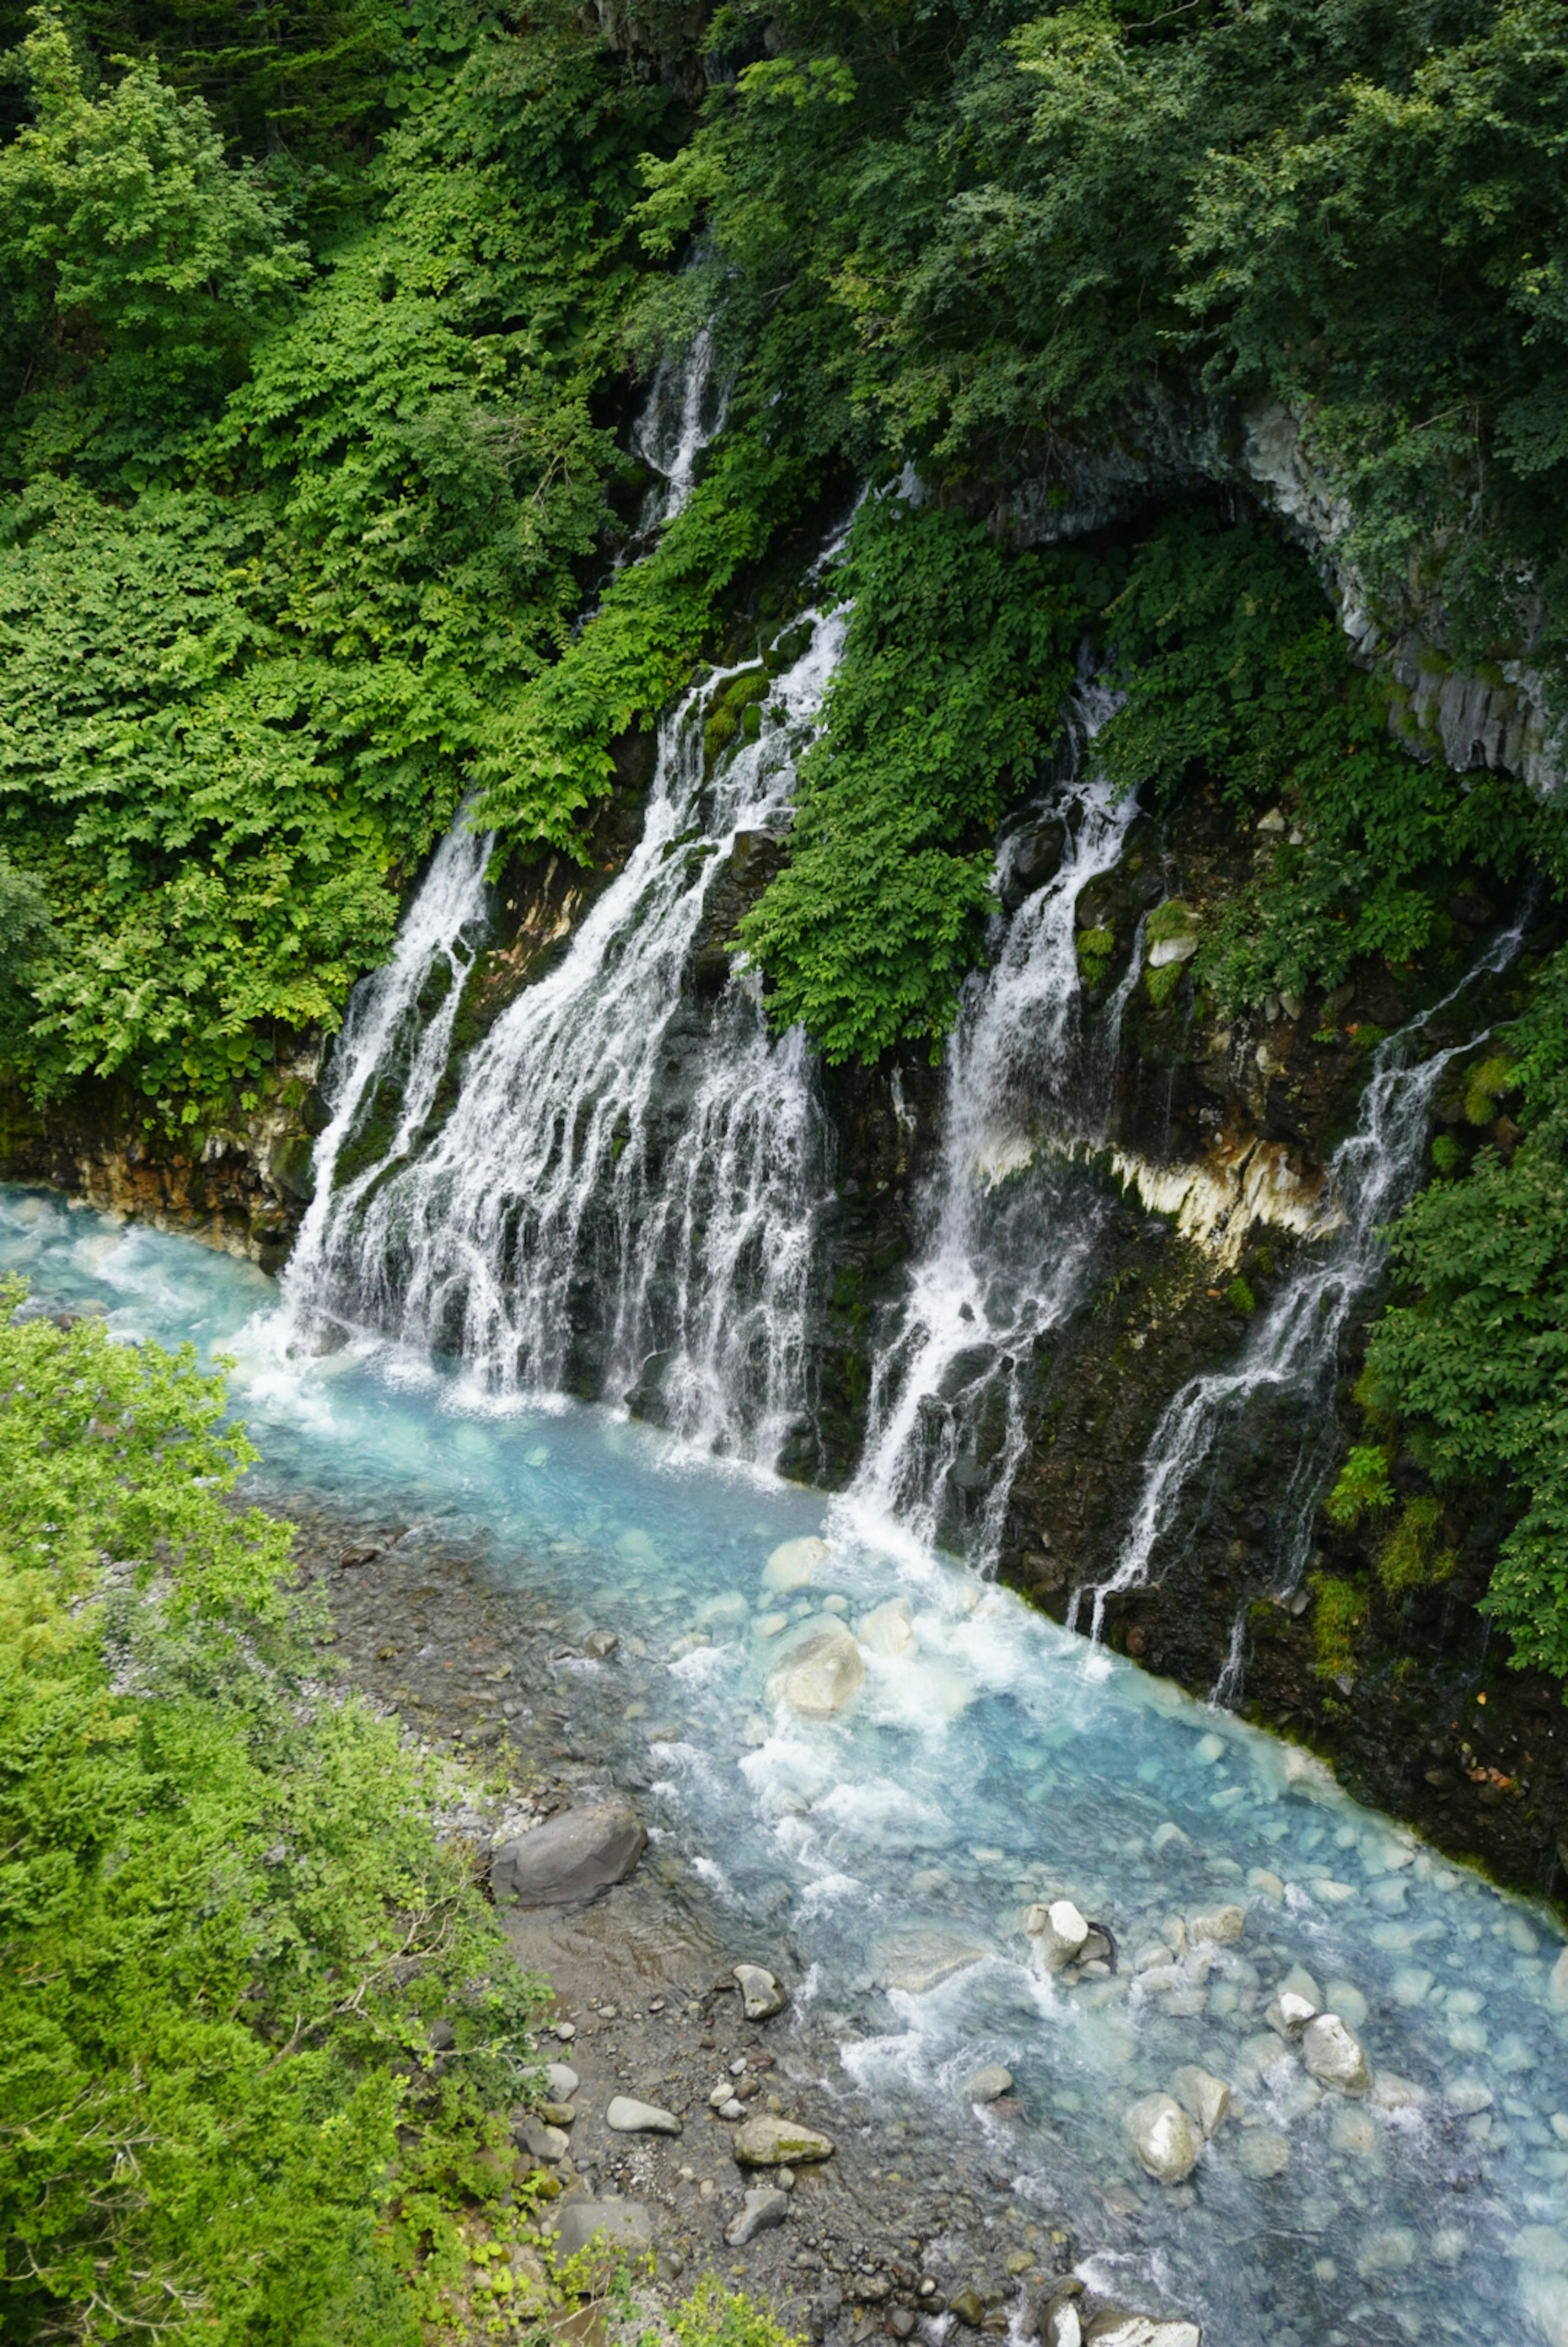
(136, 266)
(1448, 1157)
(1362, 1487)
(1411, 1557)
(1235, 672)
(1339, 1611)
(246, 689)
(1160, 985)
(1484, 1085)
(980, 240)
(1240, 1299)
(227, 1923)
(1095, 949)
(956, 664)
(715, 2317)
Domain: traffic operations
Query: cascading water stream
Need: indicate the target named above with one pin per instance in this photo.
(1290, 1358)
(623, 1193)
(1013, 1227)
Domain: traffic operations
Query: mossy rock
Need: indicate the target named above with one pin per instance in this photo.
(733, 710)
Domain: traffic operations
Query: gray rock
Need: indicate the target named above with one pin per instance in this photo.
(987, 2086)
(765, 2207)
(549, 2144)
(562, 2081)
(769, 2142)
(569, 1859)
(627, 2115)
(819, 1677)
(1221, 1924)
(1162, 2137)
(601, 1644)
(968, 2305)
(732, 2107)
(621, 2224)
(1334, 2056)
(1203, 2096)
(760, 1995)
(1061, 2325)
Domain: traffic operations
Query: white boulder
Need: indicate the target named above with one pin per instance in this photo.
(888, 1630)
(627, 2115)
(1058, 1931)
(1334, 2056)
(1163, 2139)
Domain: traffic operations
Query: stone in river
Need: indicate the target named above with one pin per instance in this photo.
(1058, 1930)
(767, 2142)
(968, 2305)
(765, 2207)
(569, 1859)
(1290, 2013)
(819, 1677)
(601, 1644)
(916, 1956)
(760, 1995)
(987, 2086)
(1343, 1998)
(549, 2144)
(1221, 1924)
(793, 1563)
(1466, 2097)
(1204, 2098)
(1557, 1984)
(621, 2224)
(1113, 2328)
(627, 2115)
(1163, 2139)
(561, 2079)
(1334, 2056)
(1062, 2325)
(888, 1630)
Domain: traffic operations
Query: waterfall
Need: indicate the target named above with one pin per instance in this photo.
(389, 1058)
(1012, 1229)
(623, 1194)
(1280, 1391)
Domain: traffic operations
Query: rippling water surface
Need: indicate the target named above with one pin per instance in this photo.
(988, 1760)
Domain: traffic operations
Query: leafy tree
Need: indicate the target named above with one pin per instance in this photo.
(135, 264)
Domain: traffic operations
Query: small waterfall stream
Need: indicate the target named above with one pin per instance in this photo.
(1280, 1390)
(1013, 1227)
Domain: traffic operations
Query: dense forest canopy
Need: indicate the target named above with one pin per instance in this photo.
(319, 329)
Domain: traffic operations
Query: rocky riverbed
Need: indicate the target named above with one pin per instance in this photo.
(902, 2228)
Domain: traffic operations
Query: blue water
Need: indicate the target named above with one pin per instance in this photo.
(993, 1761)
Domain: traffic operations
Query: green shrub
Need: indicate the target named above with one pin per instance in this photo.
(1411, 1557)
(1338, 1613)
(1240, 1299)
(716, 2317)
(1161, 984)
(228, 1925)
(1485, 1084)
(1363, 1485)
(1448, 1156)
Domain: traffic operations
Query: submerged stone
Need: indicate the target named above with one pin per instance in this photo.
(818, 1677)
(1203, 2096)
(794, 1563)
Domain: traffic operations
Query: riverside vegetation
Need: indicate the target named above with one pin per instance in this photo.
(316, 336)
